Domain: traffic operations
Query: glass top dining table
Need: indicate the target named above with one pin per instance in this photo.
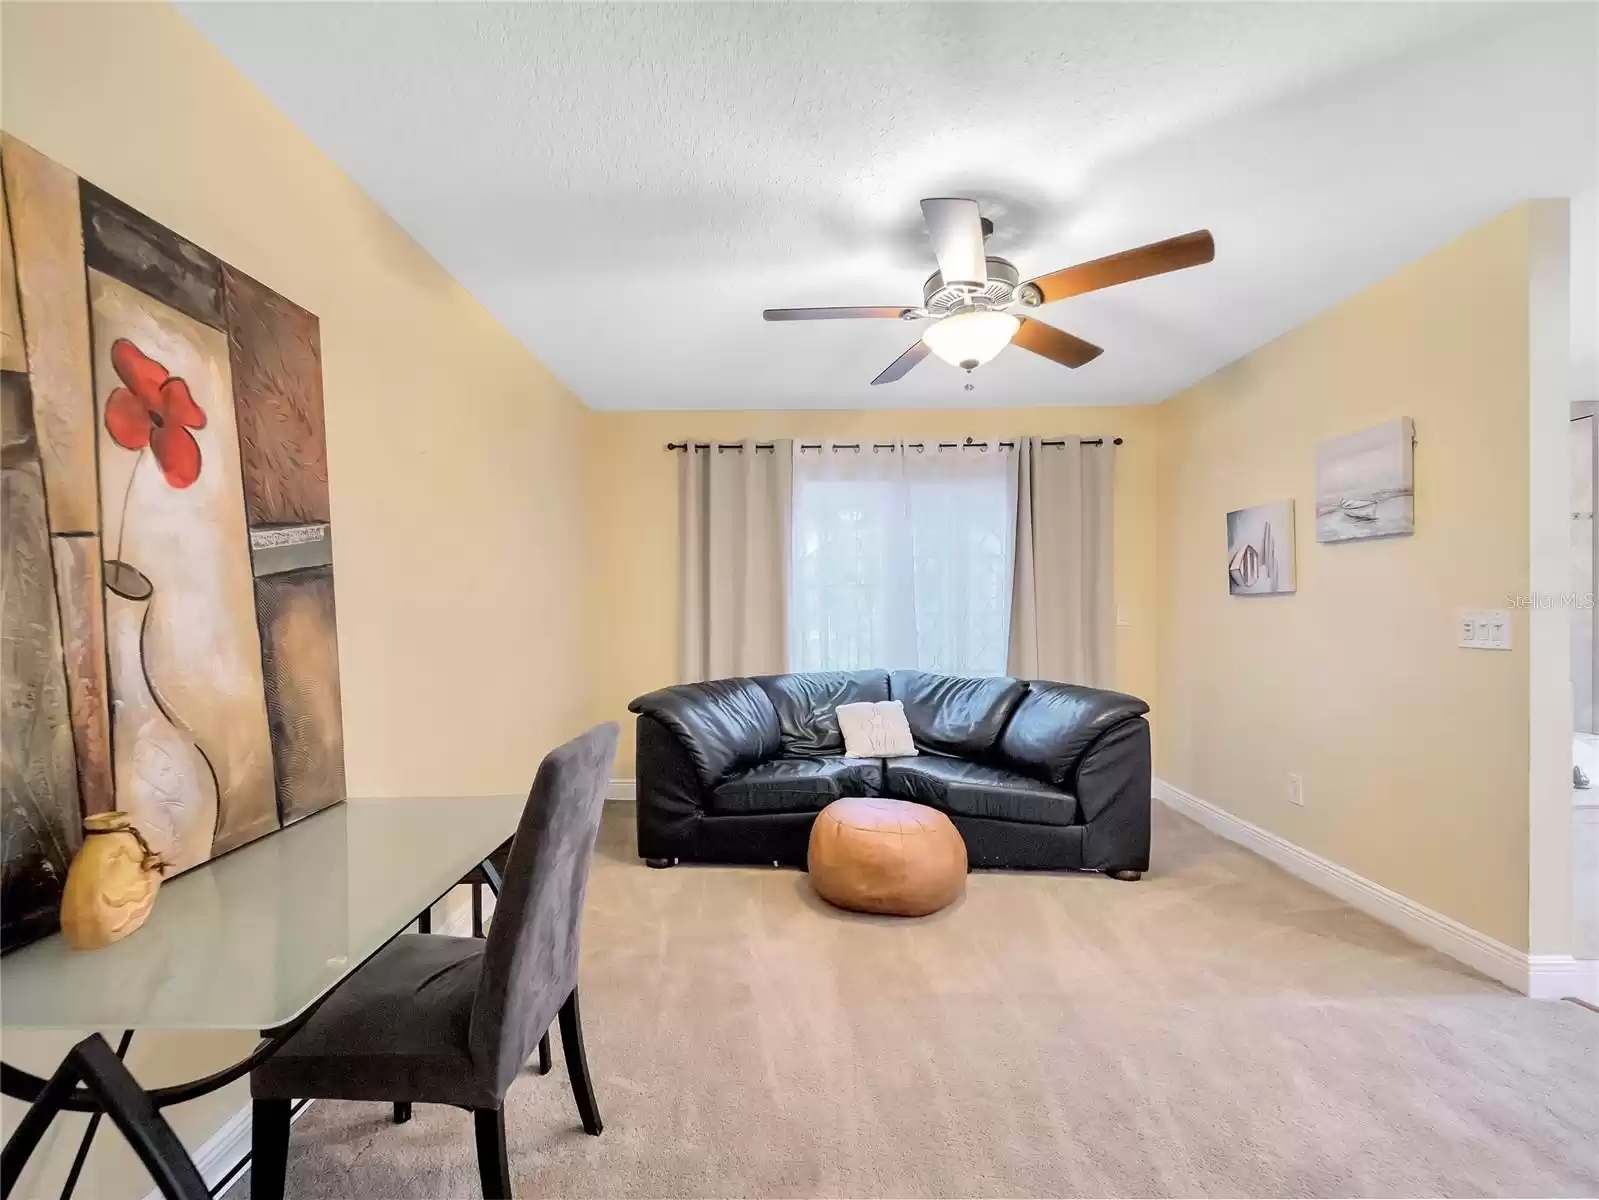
(254, 938)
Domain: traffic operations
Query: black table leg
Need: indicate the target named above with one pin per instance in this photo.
(94, 1126)
(491, 875)
(104, 1077)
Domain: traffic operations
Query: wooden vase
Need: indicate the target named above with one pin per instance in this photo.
(111, 884)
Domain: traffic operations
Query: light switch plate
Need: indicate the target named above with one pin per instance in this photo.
(1483, 628)
(1296, 789)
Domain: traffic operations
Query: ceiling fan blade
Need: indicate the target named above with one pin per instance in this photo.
(832, 314)
(1054, 343)
(957, 231)
(901, 365)
(1189, 250)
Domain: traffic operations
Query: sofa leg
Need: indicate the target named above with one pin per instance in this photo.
(1126, 876)
(660, 864)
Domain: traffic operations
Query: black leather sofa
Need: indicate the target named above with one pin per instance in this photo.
(1035, 775)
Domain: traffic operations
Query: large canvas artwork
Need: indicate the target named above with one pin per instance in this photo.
(169, 640)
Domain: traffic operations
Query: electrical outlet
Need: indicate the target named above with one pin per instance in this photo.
(1296, 790)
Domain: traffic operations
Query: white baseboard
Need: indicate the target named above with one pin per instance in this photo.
(1558, 976)
(622, 789)
(230, 1144)
(1541, 976)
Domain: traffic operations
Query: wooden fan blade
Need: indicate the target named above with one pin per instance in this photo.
(1190, 250)
(956, 228)
(832, 314)
(1054, 343)
(901, 365)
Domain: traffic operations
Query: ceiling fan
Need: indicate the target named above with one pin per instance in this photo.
(967, 297)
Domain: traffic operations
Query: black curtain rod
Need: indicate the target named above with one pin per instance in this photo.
(880, 445)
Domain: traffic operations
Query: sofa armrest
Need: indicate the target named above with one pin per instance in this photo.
(1056, 723)
(670, 798)
(724, 724)
(1113, 795)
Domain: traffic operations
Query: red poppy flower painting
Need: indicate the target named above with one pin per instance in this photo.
(182, 655)
(155, 409)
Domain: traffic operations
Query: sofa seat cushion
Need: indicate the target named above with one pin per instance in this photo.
(976, 790)
(786, 785)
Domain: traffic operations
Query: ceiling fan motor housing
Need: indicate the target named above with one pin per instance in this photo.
(939, 299)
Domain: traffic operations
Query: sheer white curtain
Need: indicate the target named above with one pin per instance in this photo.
(1063, 612)
(902, 557)
(733, 524)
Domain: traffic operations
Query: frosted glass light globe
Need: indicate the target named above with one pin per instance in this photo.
(970, 339)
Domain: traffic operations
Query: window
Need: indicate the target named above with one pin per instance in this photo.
(902, 558)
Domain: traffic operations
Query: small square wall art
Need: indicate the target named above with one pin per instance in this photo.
(1365, 483)
(1260, 550)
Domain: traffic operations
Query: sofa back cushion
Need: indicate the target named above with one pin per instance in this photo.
(1056, 723)
(956, 716)
(725, 724)
(805, 704)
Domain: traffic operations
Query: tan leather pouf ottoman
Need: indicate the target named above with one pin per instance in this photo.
(877, 855)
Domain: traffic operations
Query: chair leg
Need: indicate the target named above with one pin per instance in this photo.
(402, 1111)
(477, 910)
(424, 920)
(544, 1053)
(269, 1148)
(577, 1066)
(493, 1167)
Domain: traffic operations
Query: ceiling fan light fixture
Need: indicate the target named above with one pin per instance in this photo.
(970, 339)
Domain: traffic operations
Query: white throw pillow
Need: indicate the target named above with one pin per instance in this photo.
(875, 730)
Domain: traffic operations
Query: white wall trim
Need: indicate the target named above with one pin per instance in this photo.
(1462, 943)
(622, 789)
(230, 1144)
(1558, 976)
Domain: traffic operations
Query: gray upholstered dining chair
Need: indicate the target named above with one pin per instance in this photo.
(447, 1020)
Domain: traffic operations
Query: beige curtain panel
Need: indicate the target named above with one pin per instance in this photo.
(1063, 611)
(734, 516)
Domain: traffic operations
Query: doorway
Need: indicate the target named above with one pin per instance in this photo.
(1584, 434)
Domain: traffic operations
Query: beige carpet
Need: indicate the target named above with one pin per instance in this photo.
(1217, 1029)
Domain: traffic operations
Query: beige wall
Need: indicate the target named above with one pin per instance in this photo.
(632, 512)
(453, 453)
(1414, 752)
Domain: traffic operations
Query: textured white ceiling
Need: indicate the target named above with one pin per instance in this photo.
(626, 187)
